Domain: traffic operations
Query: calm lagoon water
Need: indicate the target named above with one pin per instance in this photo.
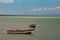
(48, 27)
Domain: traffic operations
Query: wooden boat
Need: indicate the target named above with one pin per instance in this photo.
(28, 31)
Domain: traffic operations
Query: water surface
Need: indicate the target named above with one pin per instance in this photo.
(46, 29)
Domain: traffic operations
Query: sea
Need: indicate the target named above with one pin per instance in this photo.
(47, 27)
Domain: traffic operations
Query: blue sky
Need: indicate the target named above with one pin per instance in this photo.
(29, 7)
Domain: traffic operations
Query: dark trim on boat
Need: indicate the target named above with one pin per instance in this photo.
(20, 33)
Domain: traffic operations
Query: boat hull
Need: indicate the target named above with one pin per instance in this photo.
(19, 31)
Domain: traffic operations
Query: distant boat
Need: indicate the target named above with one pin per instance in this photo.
(28, 31)
(32, 26)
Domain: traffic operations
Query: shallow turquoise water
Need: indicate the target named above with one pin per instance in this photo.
(29, 16)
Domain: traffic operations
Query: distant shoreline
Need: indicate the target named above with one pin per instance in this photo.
(29, 15)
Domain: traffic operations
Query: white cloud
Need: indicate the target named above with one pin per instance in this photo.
(6, 1)
(46, 9)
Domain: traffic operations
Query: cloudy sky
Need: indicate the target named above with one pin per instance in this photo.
(29, 7)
